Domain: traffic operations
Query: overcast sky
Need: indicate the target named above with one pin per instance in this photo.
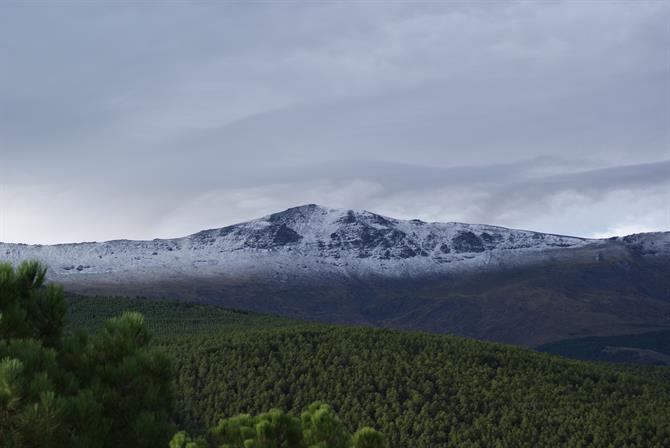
(144, 120)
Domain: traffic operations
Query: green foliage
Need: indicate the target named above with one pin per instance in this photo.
(322, 428)
(419, 390)
(368, 438)
(73, 390)
(318, 427)
(183, 440)
(27, 309)
(273, 429)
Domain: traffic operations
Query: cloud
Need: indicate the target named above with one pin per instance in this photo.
(591, 203)
(138, 120)
(576, 201)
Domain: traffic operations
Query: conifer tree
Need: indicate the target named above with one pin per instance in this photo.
(368, 438)
(318, 427)
(60, 390)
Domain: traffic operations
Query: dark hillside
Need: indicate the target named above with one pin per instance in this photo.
(645, 348)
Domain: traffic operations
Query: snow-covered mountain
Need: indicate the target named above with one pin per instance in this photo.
(306, 239)
(350, 266)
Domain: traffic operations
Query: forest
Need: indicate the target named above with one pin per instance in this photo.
(111, 371)
(418, 389)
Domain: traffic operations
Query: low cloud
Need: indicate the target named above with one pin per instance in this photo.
(590, 203)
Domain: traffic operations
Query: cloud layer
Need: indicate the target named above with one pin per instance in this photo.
(145, 121)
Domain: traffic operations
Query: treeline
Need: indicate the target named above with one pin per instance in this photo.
(419, 390)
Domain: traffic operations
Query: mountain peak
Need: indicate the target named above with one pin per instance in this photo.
(315, 231)
(300, 210)
(341, 215)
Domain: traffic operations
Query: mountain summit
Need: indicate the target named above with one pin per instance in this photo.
(312, 230)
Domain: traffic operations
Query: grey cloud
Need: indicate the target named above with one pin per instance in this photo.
(593, 186)
(578, 201)
(488, 110)
(600, 202)
(444, 124)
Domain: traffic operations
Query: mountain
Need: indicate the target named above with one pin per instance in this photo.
(302, 241)
(358, 267)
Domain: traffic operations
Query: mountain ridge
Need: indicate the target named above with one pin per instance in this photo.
(355, 212)
(309, 231)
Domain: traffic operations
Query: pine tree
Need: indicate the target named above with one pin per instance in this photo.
(318, 427)
(60, 390)
(368, 438)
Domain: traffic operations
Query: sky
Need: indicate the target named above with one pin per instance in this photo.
(147, 120)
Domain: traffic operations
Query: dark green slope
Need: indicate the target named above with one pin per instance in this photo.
(646, 348)
(421, 390)
(169, 320)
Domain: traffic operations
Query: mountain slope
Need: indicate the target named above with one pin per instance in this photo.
(358, 267)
